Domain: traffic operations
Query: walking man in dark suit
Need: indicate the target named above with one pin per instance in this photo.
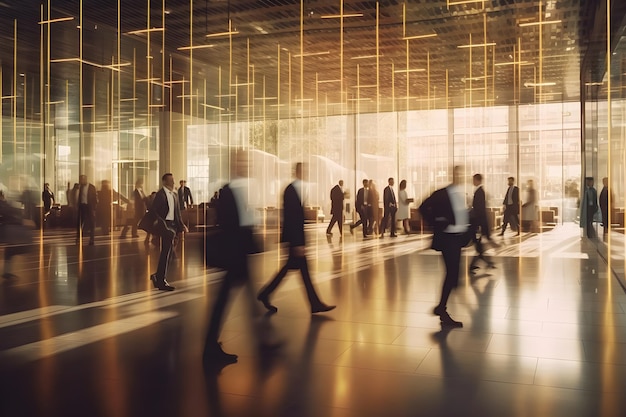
(588, 207)
(166, 211)
(184, 195)
(604, 205)
(336, 210)
(478, 219)
(236, 221)
(389, 210)
(446, 212)
(293, 233)
(87, 203)
(511, 207)
(48, 197)
(362, 208)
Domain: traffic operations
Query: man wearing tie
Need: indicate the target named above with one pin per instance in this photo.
(362, 209)
(389, 210)
(167, 213)
(588, 207)
(511, 207)
(336, 209)
(293, 233)
(87, 202)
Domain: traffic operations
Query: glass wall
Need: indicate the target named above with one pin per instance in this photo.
(539, 142)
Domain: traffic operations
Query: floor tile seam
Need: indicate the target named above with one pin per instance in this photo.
(386, 371)
(464, 379)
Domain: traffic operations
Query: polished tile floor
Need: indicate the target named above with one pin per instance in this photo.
(82, 333)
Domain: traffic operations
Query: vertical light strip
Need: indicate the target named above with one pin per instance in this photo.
(377, 60)
(341, 86)
(42, 118)
(428, 76)
(609, 122)
(14, 93)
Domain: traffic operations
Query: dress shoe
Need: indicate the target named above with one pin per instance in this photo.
(216, 358)
(394, 235)
(266, 303)
(473, 267)
(447, 321)
(351, 230)
(135, 235)
(165, 286)
(501, 233)
(154, 280)
(491, 265)
(321, 308)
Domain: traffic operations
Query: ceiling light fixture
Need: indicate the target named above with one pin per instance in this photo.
(501, 64)
(545, 84)
(432, 35)
(60, 19)
(228, 33)
(142, 31)
(477, 45)
(545, 22)
(366, 56)
(410, 70)
(212, 107)
(338, 16)
(312, 54)
(187, 48)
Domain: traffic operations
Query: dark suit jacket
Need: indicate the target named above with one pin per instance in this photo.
(184, 197)
(140, 204)
(604, 198)
(293, 218)
(336, 199)
(389, 199)
(233, 243)
(360, 199)
(478, 215)
(47, 197)
(515, 198)
(437, 211)
(160, 208)
(92, 196)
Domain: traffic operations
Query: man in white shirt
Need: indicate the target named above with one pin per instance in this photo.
(169, 222)
(446, 212)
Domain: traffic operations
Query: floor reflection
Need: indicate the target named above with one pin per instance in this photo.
(83, 333)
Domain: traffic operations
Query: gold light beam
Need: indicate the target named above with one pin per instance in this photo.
(59, 19)
(189, 48)
(430, 35)
(227, 33)
(142, 31)
(305, 54)
(545, 22)
(341, 15)
(477, 45)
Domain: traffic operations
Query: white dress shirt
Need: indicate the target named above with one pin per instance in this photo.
(299, 186)
(170, 203)
(461, 215)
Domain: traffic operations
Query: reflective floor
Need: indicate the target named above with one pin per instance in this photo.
(82, 333)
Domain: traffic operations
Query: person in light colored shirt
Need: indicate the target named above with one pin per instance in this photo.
(445, 210)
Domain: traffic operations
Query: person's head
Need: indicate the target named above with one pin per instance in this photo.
(76, 186)
(366, 183)
(605, 181)
(589, 181)
(477, 179)
(46, 186)
(390, 182)
(530, 184)
(457, 174)
(82, 179)
(301, 171)
(139, 183)
(240, 160)
(372, 185)
(168, 180)
(181, 182)
(341, 183)
(402, 184)
(511, 181)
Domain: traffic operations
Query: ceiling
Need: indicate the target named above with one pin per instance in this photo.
(365, 71)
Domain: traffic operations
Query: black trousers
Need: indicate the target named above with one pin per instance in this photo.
(293, 262)
(236, 275)
(166, 252)
(86, 221)
(510, 217)
(605, 219)
(337, 218)
(389, 213)
(591, 232)
(363, 220)
(451, 252)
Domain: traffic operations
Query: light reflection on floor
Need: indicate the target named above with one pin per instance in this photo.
(543, 335)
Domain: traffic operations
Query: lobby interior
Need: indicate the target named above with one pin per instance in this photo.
(130, 89)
